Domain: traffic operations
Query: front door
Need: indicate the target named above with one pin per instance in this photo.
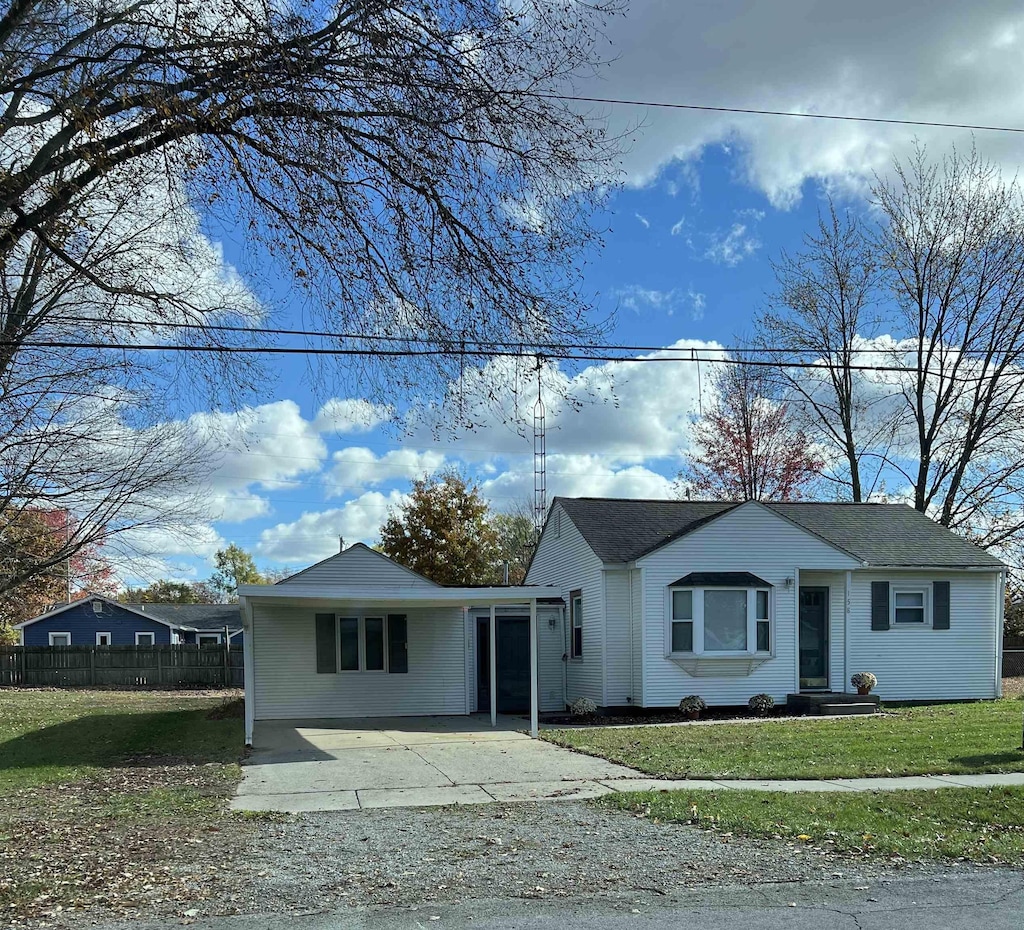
(513, 666)
(813, 639)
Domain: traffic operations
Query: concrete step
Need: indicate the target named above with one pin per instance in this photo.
(846, 709)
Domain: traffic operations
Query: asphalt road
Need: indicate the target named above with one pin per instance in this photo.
(974, 899)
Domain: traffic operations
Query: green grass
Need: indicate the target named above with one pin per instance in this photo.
(62, 736)
(976, 824)
(948, 738)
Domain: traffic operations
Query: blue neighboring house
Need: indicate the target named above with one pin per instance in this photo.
(99, 621)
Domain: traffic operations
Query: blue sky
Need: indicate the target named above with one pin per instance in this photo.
(709, 201)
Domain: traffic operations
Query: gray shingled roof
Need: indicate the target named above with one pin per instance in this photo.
(620, 530)
(195, 616)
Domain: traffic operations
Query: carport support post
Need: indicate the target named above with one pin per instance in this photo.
(492, 653)
(534, 726)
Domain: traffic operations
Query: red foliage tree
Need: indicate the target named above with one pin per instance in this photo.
(36, 537)
(746, 446)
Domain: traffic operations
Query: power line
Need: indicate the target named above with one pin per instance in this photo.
(754, 111)
(567, 355)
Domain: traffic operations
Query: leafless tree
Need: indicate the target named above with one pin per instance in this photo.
(402, 166)
(934, 287)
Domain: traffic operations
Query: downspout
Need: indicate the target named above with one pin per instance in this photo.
(846, 630)
(632, 620)
(565, 660)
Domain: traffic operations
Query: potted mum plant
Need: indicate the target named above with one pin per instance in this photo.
(863, 682)
(583, 708)
(761, 704)
(692, 705)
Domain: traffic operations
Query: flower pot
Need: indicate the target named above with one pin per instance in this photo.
(693, 715)
(863, 690)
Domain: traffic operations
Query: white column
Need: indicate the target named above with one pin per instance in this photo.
(248, 669)
(493, 655)
(534, 696)
(796, 630)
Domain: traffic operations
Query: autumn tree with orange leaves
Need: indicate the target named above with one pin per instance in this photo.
(746, 447)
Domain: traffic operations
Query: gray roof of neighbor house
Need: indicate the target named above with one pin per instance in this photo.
(195, 616)
(621, 530)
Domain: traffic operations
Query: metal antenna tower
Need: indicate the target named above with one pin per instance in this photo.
(540, 454)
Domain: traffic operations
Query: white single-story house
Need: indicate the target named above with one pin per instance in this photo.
(638, 603)
(728, 600)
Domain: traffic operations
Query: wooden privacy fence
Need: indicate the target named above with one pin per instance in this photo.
(208, 666)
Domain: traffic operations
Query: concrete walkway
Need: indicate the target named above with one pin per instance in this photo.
(328, 765)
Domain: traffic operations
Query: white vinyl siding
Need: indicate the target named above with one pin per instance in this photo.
(912, 663)
(567, 562)
(748, 539)
(287, 686)
(617, 643)
(636, 604)
(359, 566)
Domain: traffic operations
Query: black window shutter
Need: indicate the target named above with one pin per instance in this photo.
(879, 605)
(326, 644)
(398, 650)
(940, 605)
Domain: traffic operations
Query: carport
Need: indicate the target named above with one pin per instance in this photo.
(280, 644)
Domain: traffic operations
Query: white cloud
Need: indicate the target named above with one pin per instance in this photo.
(643, 219)
(355, 468)
(350, 415)
(732, 247)
(964, 64)
(633, 297)
(314, 535)
(697, 303)
(678, 226)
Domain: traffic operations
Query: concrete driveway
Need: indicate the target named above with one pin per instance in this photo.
(323, 765)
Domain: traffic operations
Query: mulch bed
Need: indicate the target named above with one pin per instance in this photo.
(639, 718)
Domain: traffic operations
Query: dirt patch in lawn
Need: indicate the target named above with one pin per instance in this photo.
(151, 839)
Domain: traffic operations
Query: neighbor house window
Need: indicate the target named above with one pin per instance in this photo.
(719, 621)
(97, 607)
(60, 639)
(909, 606)
(102, 639)
(206, 639)
(576, 623)
(145, 639)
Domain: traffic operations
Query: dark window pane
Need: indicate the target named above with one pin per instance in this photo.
(577, 641)
(349, 630)
(762, 605)
(725, 621)
(682, 636)
(682, 605)
(764, 636)
(374, 644)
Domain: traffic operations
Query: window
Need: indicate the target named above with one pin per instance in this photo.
(725, 621)
(145, 639)
(682, 621)
(910, 606)
(97, 607)
(102, 639)
(576, 623)
(719, 621)
(373, 636)
(764, 627)
(206, 639)
(60, 639)
(348, 637)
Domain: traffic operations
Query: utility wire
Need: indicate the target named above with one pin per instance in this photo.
(482, 353)
(463, 345)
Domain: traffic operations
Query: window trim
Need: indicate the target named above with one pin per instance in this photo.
(697, 620)
(108, 634)
(66, 633)
(925, 590)
(576, 595)
(216, 638)
(97, 607)
(149, 633)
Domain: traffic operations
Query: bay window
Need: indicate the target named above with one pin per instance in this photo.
(719, 620)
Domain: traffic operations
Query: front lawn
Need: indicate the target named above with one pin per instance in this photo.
(941, 739)
(114, 799)
(976, 824)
